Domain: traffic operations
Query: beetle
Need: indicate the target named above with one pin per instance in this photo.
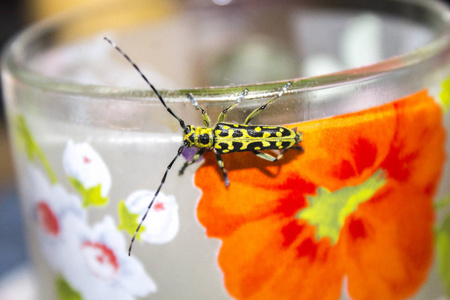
(223, 137)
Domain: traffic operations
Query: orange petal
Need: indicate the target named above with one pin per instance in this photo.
(388, 244)
(384, 246)
(265, 267)
(252, 194)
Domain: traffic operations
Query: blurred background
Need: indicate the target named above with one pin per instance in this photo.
(15, 279)
(14, 16)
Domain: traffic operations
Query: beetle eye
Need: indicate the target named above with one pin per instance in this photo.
(186, 144)
(187, 130)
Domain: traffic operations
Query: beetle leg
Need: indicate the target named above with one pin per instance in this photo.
(194, 159)
(223, 114)
(268, 156)
(205, 117)
(221, 166)
(262, 107)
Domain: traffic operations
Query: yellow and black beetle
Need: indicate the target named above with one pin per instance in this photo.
(224, 137)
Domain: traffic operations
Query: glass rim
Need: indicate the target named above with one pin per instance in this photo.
(435, 9)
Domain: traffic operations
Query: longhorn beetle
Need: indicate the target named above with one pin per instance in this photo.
(224, 137)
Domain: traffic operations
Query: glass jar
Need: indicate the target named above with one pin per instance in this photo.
(361, 212)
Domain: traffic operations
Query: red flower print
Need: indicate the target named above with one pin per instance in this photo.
(47, 218)
(100, 259)
(355, 207)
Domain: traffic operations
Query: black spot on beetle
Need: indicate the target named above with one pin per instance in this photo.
(237, 146)
(223, 145)
(285, 144)
(203, 139)
(237, 134)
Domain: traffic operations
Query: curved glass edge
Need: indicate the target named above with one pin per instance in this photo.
(307, 98)
(259, 90)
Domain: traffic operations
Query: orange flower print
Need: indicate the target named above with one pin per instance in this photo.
(355, 209)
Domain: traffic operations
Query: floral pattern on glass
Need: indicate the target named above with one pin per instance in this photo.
(99, 267)
(51, 204)
(90, 262)
(162, 222)
(354, 210)
(444, 95)
(87, 172)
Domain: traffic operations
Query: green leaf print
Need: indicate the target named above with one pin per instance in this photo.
(444, 96)
(443, 202)
(65, 291)
(91, 196)
(327, 210)
(32, 149)
(128, 220)
(443, 252)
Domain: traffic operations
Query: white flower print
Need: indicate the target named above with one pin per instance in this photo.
(50, 204)
(162, 222)
(99, 267)
(89, 263)
(87, 172)
(82, 162)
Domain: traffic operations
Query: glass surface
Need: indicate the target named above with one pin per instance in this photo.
(92, 142)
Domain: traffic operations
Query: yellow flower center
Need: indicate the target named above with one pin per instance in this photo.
(326, 210)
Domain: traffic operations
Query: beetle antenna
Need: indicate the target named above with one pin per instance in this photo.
(146, 80)
(180, 151)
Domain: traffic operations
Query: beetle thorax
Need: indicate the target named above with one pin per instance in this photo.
(200, 137)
